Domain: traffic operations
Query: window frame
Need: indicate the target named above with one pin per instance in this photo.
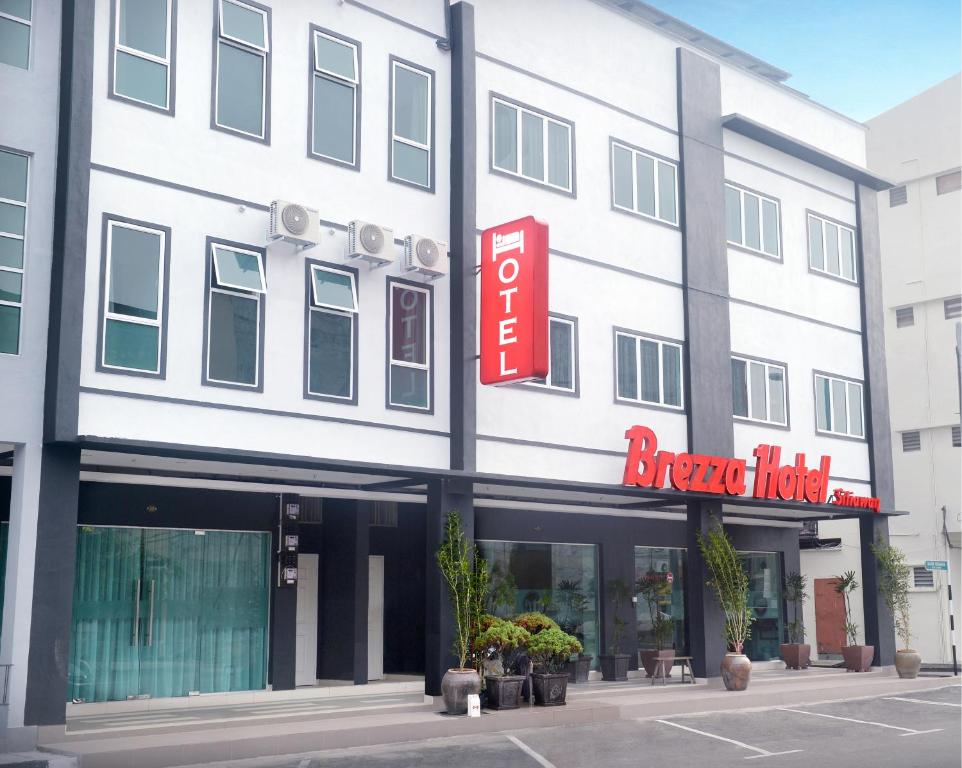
(311, 306)
(841, 225)
(742, 191)
(266, 54)
(315, 72)
(169, 62)
(634, 151)
(163, 289)
(661, 341)
(224, 285)
(546, 117)
(816, 375)
(28, 23)
(429, 147)
(22, 270)
(210, 287)
(748, 359)
(546, 386)
(428, 289)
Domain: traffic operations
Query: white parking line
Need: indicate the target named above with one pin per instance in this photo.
(908, 731)
(543, 761)
(761, 752)
(923, 701)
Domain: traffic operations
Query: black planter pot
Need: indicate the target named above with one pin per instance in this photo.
(614, 667)
(578, 669)
(522, 667)
(504, 691)
(550, 689)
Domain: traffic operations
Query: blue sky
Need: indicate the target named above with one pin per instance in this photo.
(860, 57)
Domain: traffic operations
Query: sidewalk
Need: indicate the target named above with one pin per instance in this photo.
(191, 737)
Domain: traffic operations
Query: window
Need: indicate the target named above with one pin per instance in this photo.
(412, 124)
(952, 307)
(384, 514)
(922, 578)
(242, 74)
(752, 220)
(648, 370)
(142, 40)
(911, 441)
(904, 317)
(562, 356)
(410, 340)
(15, 24)
(335, 97)
(957, 436)
(13, 227)
(948, 182)
(764, 572)
(660, 587)
(831, 247)
(759, 391)
(332, 333)
(533, 145)
(643, 184)
(898, 196)
(135, 276)
(236, 289)
(838, 406)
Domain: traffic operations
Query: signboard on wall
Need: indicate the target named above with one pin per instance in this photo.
(514, 302)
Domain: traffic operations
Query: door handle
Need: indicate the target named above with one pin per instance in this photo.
(150, 615)
(135, 632)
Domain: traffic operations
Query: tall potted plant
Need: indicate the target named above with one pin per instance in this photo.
(858, 658)
(549, 650)
(893, 586)
(466, 574)
(499, 642)
(796, 653)
(655, 588)
(730, 583)
(614, 664)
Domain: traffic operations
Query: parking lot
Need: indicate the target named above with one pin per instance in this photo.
(908, 730)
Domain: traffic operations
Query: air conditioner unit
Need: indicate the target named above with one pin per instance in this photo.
(369, 242)
(294, 223)
(426, 256)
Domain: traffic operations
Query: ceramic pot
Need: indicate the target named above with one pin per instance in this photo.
(614, 666)
(456, 686)
(504, 691)
(907, 663)
(736, 671)
(550, 689)
(858, 658)
(796, 655)
(579, 668)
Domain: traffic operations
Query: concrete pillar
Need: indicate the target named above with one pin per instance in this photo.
(879, 623)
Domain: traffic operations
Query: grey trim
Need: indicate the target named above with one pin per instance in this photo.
(788, 176)
(576, 92)
(780, 258)
(551, 446)
(680, 411)
(573, 192)
(161, 373)
(268, 55)
(531, 386)
(261, 312)
(787, 426)
(311, 74)
(406, 24)
(355, 355)
(392, 60)
(611, 186)
(171, 67)
(808, 253)
(429, 287)
(865, 410)
(793, 315)
(261, 411)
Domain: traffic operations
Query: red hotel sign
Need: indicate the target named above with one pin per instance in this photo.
(648, 467)
(514, 302)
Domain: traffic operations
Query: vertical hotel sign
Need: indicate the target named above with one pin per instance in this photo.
(514, 302)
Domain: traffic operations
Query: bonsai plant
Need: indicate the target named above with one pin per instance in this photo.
(730, 583)
(655, 588)
(534, 623)
(614, 664)
(893, 586)
(796, 653)
(549, 649)
(498, 642)
(858, 658)
(466, 575)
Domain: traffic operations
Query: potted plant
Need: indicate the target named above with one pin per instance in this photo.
(534, 623)
(893, 586)
(796, 653)
(549, 650)
(574, 605)
(656, 590)
(498, 642)
(614, 664)
(730, 583)
(467, 580)
(858, 658)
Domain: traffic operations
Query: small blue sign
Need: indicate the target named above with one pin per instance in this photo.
(936, 565)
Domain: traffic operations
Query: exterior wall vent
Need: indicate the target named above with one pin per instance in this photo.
(922, 578)
(911, 441)
(898, 196)
(953, 307)
(904, 317)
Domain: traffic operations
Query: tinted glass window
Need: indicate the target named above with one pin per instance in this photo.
(134, 272)
(240, 89)
(330, 361)
(232, 348)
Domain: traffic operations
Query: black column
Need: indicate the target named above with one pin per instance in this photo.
(617, 555)
(361, 531)
(443, 496)
(53, 580)
(707, 332)
(283, 610)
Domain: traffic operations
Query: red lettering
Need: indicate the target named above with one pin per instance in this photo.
(716, 482)
(766, 469)
(665, 458)
(801, 472)
(823, 470)
(786, 483)
(681, 471)
(699, 481)
(735, 477)
(812, 481)
(641, 450)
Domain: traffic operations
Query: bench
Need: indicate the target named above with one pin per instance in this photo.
(663, 667)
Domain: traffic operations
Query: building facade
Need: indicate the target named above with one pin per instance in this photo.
(212, 390)
(916, 145)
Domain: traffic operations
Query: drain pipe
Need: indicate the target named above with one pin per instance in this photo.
(948, 574)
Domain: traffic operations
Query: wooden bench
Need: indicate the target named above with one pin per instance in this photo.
(663, 667)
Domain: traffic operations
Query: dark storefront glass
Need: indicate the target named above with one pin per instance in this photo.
(666, 568)
(765, 598)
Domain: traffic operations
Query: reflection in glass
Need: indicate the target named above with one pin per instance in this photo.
(664, 567)
(330, 353)
(505, 137)
(765, 599)
(240, 89)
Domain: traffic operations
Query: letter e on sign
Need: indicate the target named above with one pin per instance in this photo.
(514, 302)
